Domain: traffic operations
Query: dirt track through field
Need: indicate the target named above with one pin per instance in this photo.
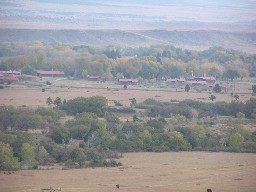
(147, 172)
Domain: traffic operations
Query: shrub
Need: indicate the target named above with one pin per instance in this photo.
(168, 111)
(95, 104)
(254, 88)
(217, 88)
(117, 103)
(48, 83)
(121, 110)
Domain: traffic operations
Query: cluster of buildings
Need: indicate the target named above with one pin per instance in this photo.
(194, 80)
(9, 76)
(12, 76)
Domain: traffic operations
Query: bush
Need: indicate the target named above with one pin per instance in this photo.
(95, 104)
(217, 88)
(48, 83)
(117, 103)
(121, 110)
(168, 111)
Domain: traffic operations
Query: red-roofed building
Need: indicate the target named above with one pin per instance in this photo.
(4, 79)
(9, 76)
(209, 80)
(96, 78)
(50, 73)
(173, 81)
(128, 81)
(16, 73)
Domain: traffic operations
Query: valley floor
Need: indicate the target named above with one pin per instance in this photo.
(145, 172)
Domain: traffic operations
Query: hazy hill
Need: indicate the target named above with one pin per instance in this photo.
(184, 39)
(229, 15)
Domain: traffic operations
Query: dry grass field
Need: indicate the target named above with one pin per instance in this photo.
(147, 172)
(142, 172)
(32, 96)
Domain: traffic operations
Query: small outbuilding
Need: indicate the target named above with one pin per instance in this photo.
(42, 73)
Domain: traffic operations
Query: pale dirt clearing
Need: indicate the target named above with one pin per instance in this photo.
(147, 172)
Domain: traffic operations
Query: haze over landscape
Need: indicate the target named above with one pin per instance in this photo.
(188, 24)
(130, 95)
(133, 15)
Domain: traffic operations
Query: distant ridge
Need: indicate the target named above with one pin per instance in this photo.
(198, 40)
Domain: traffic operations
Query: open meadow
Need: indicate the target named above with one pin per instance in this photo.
(145, 172)
(31, 94)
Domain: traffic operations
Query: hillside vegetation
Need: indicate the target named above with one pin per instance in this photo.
(199, 40)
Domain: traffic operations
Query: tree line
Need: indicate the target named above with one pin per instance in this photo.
(144, 62)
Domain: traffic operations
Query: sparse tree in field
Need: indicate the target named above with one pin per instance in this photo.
(135, 118)
(236, 97)
(57, 102)
(254, 88)
(187, 88)
(217, 88)
(212, 97)
(49, 101)
(132, 102)
(125, 86)
(240, 115)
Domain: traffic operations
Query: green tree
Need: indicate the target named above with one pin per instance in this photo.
(43, 156)
(236, 97)
(212, 97)
(187, 88)
(214, 72)
(60, 135)
(250, 108)
(235, 139)
(175, 71)
(195, 135)
(135, 118)
(57, 102)
(7, 160)
(100, 138)
(28, 155)
(49, 101)
(133, 102)
(149, 70)
(231, 74)
(84, 125)
(177, 141)
(95, 104)
(28, 70)
(77, 155)
(254, 88)
(217, 88)
(146, 138)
